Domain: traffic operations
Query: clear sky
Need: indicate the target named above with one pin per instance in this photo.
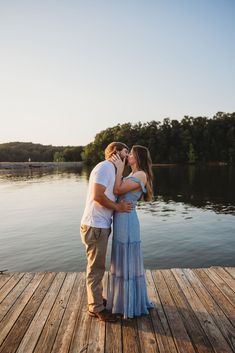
(71, 68)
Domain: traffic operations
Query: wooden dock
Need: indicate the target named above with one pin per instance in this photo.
(46, 313)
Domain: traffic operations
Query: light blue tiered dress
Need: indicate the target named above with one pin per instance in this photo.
(127, 292)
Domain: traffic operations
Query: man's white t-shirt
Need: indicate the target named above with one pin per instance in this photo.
(94, 214)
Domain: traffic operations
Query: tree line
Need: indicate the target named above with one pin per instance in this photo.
(191, 140)
(25, 151)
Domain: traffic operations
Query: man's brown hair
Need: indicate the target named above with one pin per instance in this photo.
(113, 147)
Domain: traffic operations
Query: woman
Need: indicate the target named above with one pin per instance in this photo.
(127, 291)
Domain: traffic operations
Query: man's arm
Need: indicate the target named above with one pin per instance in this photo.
(103, 200)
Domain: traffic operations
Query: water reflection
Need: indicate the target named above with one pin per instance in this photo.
(209, 188)
(189, 224)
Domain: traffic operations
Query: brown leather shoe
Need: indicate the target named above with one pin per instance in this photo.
(104, 315)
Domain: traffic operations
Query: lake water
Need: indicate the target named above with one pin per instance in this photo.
(191, 222)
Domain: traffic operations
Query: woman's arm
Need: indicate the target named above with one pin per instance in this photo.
(122, 186)
(125, 186)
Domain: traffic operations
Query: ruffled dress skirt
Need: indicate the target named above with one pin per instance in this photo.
(127, 291)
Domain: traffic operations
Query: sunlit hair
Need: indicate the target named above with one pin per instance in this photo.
(144, 162)
(113, 147)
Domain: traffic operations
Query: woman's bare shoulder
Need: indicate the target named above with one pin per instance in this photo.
(140, 175)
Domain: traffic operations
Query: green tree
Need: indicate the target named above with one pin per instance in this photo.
(58, 156)
(191, 154)
(73, 154)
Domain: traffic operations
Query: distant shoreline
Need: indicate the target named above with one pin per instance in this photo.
(38, 165)
(52, 165)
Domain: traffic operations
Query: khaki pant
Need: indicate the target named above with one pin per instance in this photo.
(96, 242)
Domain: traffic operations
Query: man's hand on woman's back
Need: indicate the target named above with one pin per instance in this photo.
(103, 200)
(124, 206)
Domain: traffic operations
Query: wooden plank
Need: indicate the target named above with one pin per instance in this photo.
(4, 278)
(194, 329)
(30, 339)
(222, 285)
(12, 315)
(161, 328)
(48, 334)
(230, 270)
(216, 293)
(228, 278)
(5, 290)
(213, 308)
(65, 332)
(15, 292)
(16, 334)
(130, 336)
(214, 335)
(147, 338)
(96, 342)
(179, 332)
(79, 342)
(194, 312)
(113, 342)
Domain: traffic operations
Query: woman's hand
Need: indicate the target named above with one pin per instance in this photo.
(118, 162)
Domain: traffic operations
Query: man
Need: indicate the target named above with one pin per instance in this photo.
(96, 227)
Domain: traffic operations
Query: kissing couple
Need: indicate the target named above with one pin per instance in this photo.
(112, 197)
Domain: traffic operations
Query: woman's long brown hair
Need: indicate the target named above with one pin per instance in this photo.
(144, 162)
